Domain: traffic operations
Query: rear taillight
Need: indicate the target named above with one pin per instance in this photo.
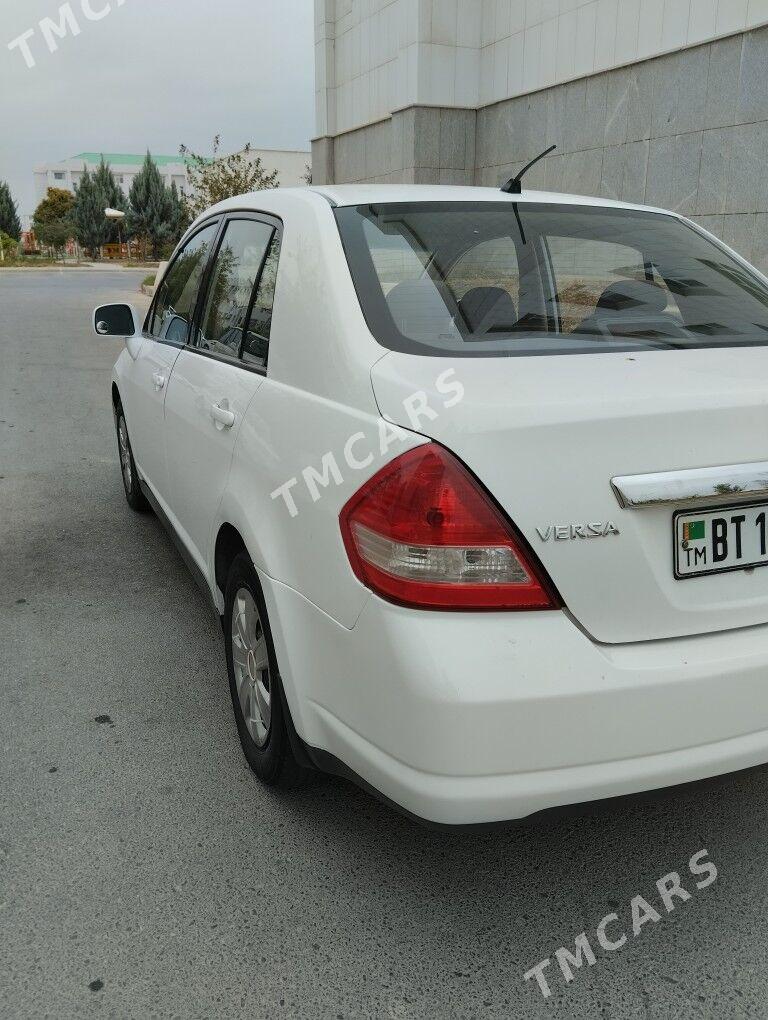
(422, 532)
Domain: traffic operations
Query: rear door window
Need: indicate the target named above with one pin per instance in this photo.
(236, 269)
(175, 303)
(259, 325)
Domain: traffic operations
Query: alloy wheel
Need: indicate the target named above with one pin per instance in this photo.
(125, 453)
(251, 666)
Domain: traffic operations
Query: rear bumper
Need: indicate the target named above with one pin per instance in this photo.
(465, 718)
(487, 800)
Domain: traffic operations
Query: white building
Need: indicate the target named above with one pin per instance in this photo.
(656, 101)
(67, 172)
(291, 166)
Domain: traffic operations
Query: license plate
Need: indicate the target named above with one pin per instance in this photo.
(712, 541)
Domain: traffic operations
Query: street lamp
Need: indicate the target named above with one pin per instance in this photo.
(118, 217)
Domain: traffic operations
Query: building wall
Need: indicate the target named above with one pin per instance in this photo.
(373, 57)
(67, 173)
(663, 102)
(527, 46)
(687, 131)
(418, 145)
(291, 165)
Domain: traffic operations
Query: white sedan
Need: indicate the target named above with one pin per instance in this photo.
(476, 481)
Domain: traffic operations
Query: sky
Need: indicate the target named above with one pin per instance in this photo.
(152, 74)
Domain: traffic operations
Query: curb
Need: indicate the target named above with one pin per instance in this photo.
(71, 269)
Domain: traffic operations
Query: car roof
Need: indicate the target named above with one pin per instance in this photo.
(365, 194)
(287, 201)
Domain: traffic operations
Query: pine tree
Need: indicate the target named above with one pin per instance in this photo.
(92, 228)
(179, 216)
(9, 220)
(111, 192)
(150, 211)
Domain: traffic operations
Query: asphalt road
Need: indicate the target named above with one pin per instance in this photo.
(145, 873)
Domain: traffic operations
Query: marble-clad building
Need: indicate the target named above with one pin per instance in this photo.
(663, 102)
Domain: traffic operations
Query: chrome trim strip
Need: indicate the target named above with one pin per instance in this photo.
(705, 486)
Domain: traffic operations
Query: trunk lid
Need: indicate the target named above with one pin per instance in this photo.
(547, 434)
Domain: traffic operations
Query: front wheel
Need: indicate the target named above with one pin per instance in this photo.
(254, 682)
(136, 498)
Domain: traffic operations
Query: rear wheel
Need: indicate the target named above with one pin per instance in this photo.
(254, 682)
(136, 498)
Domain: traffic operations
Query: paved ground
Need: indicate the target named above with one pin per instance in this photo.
(143, 872)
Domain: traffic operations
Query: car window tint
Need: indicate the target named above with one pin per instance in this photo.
(488, 264)
(394, 258)
(411, 278)
(256, 340)
(583, 269)
(586, 269)
(235, 271)
(439, 278)
(176, 299)
(485, 283)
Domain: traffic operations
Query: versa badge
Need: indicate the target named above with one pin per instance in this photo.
(563, 532)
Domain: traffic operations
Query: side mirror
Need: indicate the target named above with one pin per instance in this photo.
(115, 320)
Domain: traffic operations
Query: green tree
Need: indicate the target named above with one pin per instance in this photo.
(179, 215)
(9, 247)
(111, 193)
(92, 228)
(53, 219)
(9, 219)
(215, 178)
(57, 205)
(150, 212)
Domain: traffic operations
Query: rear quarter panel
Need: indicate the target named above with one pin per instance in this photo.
(316, 399)
(323, 451)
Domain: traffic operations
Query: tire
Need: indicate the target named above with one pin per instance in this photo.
(254, 682)
(136, 498)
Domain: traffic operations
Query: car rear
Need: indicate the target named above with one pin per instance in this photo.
(567, 594)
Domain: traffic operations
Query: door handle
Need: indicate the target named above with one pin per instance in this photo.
(158, 379)
(222, 416)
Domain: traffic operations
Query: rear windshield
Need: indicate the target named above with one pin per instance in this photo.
(500, 279)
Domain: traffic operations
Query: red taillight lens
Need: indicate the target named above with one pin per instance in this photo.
(423, 533)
